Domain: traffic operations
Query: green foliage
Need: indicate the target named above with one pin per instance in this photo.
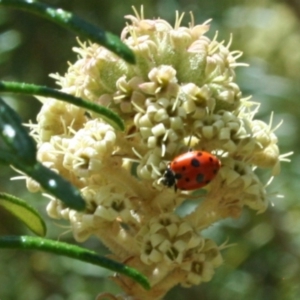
(20, 152)
(24, 212)
(32, 89)
(60, 248)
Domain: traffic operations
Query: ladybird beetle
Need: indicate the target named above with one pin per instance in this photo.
(191, 170)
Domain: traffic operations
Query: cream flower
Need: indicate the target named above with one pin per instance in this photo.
(167, 239)
(181, 93)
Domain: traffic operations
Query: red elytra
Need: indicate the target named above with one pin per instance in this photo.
(191, 170)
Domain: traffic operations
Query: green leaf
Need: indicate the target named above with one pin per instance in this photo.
(75, 24)
(13, 133)
(6, 157)
(56, 186)
(24, 212)
(30, 89)
(60, 248)
(22, 155)
(50, 181)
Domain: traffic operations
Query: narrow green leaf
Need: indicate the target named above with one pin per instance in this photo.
(75, 24)
(24, 212)
(51, 182)
(30, 89)
(60, 248)
(15, 135)
(56, 185)
(6, 158)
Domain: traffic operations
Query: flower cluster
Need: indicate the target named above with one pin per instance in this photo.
(180, 93)
(167, 240)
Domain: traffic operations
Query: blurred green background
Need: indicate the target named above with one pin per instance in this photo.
(265, 262)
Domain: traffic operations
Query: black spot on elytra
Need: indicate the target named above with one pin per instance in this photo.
(200, 178)
(211, 159)
(183, 168)
(199, 153)
(187, 179)
(195, 163)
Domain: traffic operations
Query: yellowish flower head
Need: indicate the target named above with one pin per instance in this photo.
(181, 93)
